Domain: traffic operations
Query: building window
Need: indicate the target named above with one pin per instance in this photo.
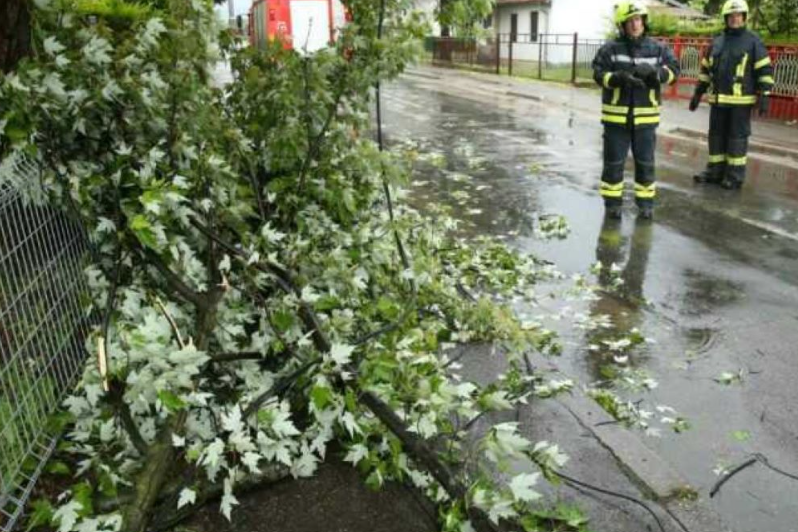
(487, 22)
(514, 27)
(533, 26)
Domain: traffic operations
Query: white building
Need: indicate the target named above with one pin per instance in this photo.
(524, 21)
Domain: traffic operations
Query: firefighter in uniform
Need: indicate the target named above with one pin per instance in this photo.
(631, 70)
(734, 70)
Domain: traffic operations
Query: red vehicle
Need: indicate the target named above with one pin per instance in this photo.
(304, 25)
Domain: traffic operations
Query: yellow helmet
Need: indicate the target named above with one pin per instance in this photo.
(626, 10)
(734, 6)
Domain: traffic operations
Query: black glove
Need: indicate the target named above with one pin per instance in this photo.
(624, 78)
(647, 73)
(695, 100)
(764, 104)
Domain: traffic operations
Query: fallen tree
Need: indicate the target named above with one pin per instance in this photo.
(260, 294)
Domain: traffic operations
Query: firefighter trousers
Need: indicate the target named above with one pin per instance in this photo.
(729, 129)
(617, 141)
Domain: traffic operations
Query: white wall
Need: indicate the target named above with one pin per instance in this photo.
(522, 50)
(590, 18)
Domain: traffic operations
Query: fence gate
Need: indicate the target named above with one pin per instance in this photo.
(42, 327)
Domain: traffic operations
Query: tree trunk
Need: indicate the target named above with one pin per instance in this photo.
(14, 32)
(712, 7)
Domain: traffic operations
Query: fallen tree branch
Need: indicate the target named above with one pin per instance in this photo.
(415, 445)
(172, 279)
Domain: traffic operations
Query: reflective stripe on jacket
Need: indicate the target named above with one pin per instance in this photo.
(626, 106)
(736, 68)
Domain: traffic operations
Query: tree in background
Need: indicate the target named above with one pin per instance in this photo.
(775, 17)
(14, 32)
(463, 18)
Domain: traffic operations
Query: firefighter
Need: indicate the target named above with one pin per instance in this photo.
(736, 67)
(631, 70)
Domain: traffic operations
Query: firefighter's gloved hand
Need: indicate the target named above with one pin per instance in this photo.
(624, 78)
(647, 73)
(695, 100)
(764, 104)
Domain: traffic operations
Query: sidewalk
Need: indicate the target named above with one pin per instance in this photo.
(771, 137)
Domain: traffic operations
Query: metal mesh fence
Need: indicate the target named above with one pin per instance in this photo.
(42, 329)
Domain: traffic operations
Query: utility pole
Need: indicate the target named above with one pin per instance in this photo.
(231, 10)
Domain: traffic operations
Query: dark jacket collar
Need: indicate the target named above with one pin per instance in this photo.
(734, 32)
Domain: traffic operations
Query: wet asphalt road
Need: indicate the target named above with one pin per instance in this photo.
(712, 281)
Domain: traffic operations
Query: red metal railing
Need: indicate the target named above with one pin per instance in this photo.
(569, 57)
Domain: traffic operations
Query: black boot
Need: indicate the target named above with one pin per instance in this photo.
(730, 183)
(712, 175)
(613, 211)
(645, 212)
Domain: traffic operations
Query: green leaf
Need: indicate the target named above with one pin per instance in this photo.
(321, 396)
(143, 230)
(171, 401)
(57, 467)
(282, 320)
(84, 494)
(107, 486)
(41, 515)
(387, 308)
(741, 435)
(327, 302)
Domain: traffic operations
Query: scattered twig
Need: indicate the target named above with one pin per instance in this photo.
(574, 482)
(172, 324)
(465, 293)
(765, 462)
(374, 334)
(173, 280)
(725, 478)
(278, 388)
(235, 357)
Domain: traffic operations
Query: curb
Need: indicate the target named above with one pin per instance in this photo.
(754, 145)
(650, 472)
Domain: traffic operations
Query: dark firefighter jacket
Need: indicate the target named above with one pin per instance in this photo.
(735, 68)
(627, 106)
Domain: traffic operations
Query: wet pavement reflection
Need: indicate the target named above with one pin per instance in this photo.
(711, 283)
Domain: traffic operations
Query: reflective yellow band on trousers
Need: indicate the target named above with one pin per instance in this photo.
(717, 158)
(766, 79)
(611, 190)
(736, 161)
(645, 191)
